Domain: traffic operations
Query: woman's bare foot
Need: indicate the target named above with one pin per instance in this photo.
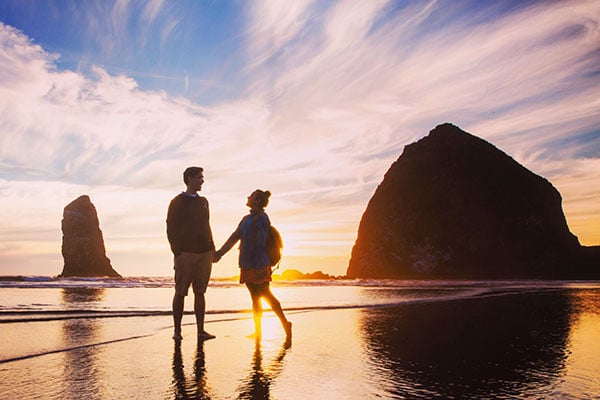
(288, 329)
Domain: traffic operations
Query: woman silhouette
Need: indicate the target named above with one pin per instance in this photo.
(255, 267)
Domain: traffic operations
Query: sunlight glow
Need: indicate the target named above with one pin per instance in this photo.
(583, 350)
(313, 101)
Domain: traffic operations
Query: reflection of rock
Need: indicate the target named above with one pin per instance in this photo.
(83, 246)
(75, 296)
(453, 206)
(478, 349)
(81, 371)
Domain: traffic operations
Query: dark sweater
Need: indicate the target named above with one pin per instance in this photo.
(188, 227)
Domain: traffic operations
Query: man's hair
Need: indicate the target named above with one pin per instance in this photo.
(190, 172)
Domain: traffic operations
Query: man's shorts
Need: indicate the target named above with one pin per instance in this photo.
(192, 269)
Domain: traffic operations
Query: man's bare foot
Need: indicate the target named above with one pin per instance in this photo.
(205, 336)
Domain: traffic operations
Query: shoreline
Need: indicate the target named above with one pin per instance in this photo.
(536, 344)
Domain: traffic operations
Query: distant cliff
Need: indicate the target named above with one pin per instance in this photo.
(453, 206)
(83, 246)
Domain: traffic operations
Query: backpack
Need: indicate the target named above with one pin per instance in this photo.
(274, 244)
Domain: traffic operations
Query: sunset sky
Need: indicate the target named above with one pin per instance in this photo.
(312, 100)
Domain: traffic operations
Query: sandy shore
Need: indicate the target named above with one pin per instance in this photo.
(522, 346)
(135, 358)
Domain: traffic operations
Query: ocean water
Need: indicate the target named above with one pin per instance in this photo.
(353, 339)
(45, 298)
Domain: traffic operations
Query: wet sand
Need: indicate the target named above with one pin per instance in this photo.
(537, 345)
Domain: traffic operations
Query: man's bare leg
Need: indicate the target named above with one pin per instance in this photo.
(200, 309)
(178, 303)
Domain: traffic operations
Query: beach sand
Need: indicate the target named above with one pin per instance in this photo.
(542, 345)
(122, 358)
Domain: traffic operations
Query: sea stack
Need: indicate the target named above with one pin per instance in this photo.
(453, 206)
(83, 246)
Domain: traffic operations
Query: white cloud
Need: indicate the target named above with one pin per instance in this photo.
(274, 24)
(151, 11)
(376, 89)
(335, 93)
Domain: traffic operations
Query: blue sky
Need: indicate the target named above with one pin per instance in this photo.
(187, 48)
(311, 99)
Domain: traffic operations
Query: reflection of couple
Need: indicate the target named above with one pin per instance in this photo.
(190, 237)
(199, 388)
(258, 383)
(255, 386)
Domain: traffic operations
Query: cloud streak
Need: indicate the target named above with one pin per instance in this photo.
(333, 91)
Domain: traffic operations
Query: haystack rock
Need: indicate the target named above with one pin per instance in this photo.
(453, 206)
(83, 246)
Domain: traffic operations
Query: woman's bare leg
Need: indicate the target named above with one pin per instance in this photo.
(256, 309)
(276, 307)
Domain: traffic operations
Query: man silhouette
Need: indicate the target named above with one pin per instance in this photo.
(190, 237)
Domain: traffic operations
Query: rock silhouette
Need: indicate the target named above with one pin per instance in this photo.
(453, 206)
(83, 246)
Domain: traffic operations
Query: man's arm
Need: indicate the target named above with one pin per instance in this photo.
(173, 227)
(210, 236)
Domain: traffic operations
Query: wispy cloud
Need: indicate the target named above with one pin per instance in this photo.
(509, 79)
(334, 91)
(273, 25)
(151, 11)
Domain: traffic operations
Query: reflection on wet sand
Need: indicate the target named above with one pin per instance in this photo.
(79, 366)
(479, 348)
(196, 388)
(76, 296)
(257, 385)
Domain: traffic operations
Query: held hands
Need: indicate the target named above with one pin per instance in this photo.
(217, 256)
